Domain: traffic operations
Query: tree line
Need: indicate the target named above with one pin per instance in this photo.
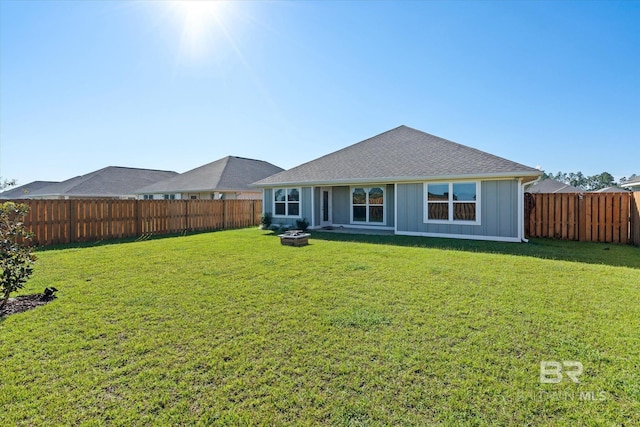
(587, 183)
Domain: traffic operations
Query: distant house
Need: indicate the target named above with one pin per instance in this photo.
(633, 184)
(610, 190)
(550, 186)
(24, 191)
(408, 182)
(113, 182)
(226, 178)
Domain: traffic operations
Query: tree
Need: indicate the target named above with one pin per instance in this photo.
(16, 257)
(587, 183)
(597, 182)
(4, 183)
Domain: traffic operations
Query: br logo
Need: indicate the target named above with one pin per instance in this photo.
(551, 372)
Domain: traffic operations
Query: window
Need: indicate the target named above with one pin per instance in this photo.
(452, 202)
(367, 205)
(286, 201)
(169, 196)
(147, 197)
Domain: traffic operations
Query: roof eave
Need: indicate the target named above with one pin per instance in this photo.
(196, 190)
(525, 175)
(630, 185)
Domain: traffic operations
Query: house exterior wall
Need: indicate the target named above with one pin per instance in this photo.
(341, 196)
(390, 205)
(316, 208)
(306, 203)
(267, 200)
(498, 212)
(341, 201)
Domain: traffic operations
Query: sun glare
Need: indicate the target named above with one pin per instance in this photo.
(200, 21)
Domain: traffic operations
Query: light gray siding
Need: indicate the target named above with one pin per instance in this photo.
(498, 211)
(341, 205)
(389, 204)
(316, 207)
(305, 206)
(267, 197)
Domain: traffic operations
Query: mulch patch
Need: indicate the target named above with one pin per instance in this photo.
(23, 303)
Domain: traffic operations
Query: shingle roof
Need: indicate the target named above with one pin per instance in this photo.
(112, 181)
(23, 191)
(611, 190)
(401, 153)
(227, 174)
(633, 182)
(549, 186)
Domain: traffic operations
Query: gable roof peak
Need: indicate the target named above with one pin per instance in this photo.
(402, 153)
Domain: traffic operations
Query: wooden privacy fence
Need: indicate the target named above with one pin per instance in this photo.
(591, 217)
(86, 220)
(635, 218)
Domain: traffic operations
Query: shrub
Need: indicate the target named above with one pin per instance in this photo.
(16, 259)
(266, 220)
(302, 224)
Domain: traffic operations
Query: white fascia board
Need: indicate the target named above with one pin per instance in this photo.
(403, 179)
(631, 185)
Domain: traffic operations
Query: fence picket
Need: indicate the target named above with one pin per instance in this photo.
(85, 220)
(591, 217)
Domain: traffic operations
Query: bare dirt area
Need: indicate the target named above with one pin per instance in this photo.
(23, 303)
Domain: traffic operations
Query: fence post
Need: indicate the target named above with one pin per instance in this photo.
(582, 218)
(185, 216)
(253, 212)
(72, 222)
(224, 214)
(137, 220)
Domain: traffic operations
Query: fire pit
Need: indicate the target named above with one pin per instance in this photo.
(294, 238)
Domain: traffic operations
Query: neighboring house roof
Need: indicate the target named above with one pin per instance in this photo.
(25, 190)
(112, 181)
(549, 185)
(610, 190)
(632, 183)
(227, 174)
(400, 154)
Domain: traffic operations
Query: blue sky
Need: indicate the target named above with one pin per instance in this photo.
(153, 84)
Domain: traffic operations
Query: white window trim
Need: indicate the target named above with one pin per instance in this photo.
(286, 202)
(478, 202)
(384, 205)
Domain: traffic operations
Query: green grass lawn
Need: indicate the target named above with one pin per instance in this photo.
(232, 328)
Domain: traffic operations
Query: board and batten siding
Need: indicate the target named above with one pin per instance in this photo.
(305, 206)
(341, 205)
(316, 208)
(498, 212)
(341, 202)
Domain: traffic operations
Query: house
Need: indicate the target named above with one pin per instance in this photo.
(23, 191)
(611, 190)
(633, 184)
(408, 182)
(112, 182)
(551, 186)
(226, 178)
